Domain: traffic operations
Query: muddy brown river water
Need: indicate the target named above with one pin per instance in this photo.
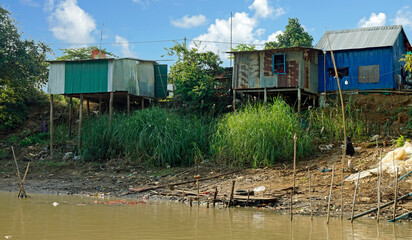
(77, 217)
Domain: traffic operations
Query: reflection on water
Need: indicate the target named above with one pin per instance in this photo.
(77, 218)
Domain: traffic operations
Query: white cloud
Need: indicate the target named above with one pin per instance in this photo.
(71, 24)
(31, 3)
(189, 22)
(261, 8)
(124, 47)
(279, 12)
(48, 5)
(374, 20)
(144, 3)
(403, 17)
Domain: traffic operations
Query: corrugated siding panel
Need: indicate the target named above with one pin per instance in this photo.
(56, 78)
(353, 59)
(146, 79)
(360, 38)
(125, 76)
(86, 77)
(160, 80)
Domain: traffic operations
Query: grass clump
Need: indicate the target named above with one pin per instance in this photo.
(155, 137)
(260, 135)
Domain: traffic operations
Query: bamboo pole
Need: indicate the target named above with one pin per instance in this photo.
(291, 205)
(198, 193)
(70, 117)
(111, 106)
(379, 186)
(231, 193)
(51, 125)
(79, 136)
(100, 105)
(88, 109)
(330, 193)
(299, 100)
(310, 197)
(396, 194)
(294, 161)
(354, 197)
(22, 192)
(343, 120)
(128, 104)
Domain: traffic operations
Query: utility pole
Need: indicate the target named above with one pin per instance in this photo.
(185, 42)
(231, 23)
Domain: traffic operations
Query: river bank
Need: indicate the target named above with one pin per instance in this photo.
(119, 179)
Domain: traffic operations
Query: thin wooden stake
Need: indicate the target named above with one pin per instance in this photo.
(22, 192)
(354, 197)
(291, 205)
(231, 193)
(310, 196)
(248, 196)
(100, 105)
(396, 195)
(128, 104)
(198, 193)
(190, 201)
(51, 125)
(111, 106)
(214, 197)
(330, 193)
(294, 161)
(88, 109)
(15, 161)
(379, 185)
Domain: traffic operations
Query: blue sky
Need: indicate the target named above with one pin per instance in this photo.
(132, 27)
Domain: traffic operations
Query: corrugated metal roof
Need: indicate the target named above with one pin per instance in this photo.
(370, 37)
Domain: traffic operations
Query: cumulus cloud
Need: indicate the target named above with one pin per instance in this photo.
(71, 24)
(403, 17)
(189, 22)
(374, 20)
(124, 47)
(244, 29)
(48, 5)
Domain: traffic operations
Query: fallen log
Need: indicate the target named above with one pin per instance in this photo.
(143, 189)
(383, 206)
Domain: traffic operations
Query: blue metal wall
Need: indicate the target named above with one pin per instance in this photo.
(384, 57)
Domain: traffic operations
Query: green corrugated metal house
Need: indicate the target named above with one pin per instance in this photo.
(135, 77)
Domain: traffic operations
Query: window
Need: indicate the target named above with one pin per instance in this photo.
(279, 63)
(368, 74)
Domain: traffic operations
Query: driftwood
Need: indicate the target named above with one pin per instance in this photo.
(383, 206)
(143, 189)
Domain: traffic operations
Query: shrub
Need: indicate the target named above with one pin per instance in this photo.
(259, 136)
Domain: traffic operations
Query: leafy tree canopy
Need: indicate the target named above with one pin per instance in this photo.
(407, 59)
(23, 70)
(294, 36)
(244, 47)
(82, 53)
(193, 75)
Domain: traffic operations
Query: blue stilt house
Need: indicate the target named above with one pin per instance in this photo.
(367, 58)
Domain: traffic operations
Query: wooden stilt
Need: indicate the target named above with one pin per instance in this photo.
(310, 196)
(128, 104)
(291, 205)
(330, 193)
(88, 109)
(354, 197)
(142, 103)
(70, 117)
(111, 106)
(294, 161)
(231, 193)
(79, 136)
(248, 196)
(396, 194)
(299, 100)
(234, 100)
(265, 95)
(198, 193)
(100, 105)
(379, 187)
(51, 125)
(313, 101)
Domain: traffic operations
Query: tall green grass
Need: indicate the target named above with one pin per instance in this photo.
(259, 135)
(155, 137)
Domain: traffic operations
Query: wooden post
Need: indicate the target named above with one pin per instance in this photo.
(396, 194)
(88, 109)
(128, 104)
(111, 105)
(265, 95)
(299, 100)
(234, 100)
(142, 103)
(294, 161)
(379, 188)
(198, 194)
(291, 205)
(310, 197)
(330, 193)
(100, 105)
(190, 201)
(248, 196)
(70, 116)
(214, 197)
(354, 197)
(51, 125)
(79, 137)
(313, 101)
(231, 193)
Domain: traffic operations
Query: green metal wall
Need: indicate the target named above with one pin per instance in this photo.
(86, 77)
(160, 80)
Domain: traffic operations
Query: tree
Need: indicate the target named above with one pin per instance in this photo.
(244, 47)
(81, 53)
(193, 75)
(294, 36)
(407, 59)
(23, 70)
